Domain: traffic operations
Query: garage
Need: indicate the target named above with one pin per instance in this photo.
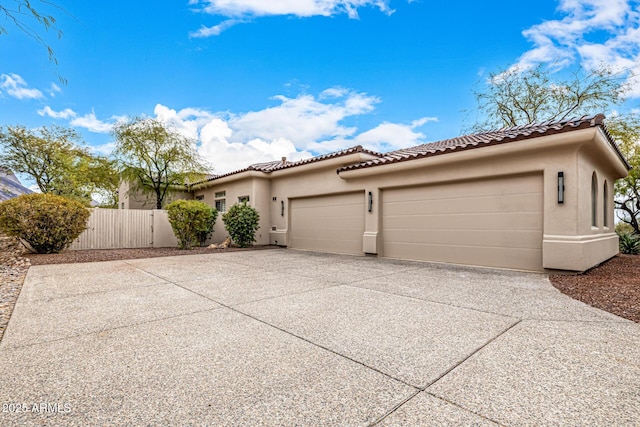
(333, 223)
(495, 222)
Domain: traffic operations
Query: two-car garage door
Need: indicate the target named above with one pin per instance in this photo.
(494, 222)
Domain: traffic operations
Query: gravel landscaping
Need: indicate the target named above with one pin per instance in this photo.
(613, 286)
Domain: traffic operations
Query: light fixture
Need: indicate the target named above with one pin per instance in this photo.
(370, 201)
(281, 207)
(560, 188)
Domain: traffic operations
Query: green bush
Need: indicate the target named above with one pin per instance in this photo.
(48, 223)
(192, 221)
(629, 244)
(241, 222)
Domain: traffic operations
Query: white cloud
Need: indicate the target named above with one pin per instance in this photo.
(243, 10)
(67, 113)
(591, 32)
(296, 128)
(90, 122)
(216, 30)
(54, 89)
(15, 86)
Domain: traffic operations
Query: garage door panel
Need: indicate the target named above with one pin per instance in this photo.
(521, 258)
(480, 238)
(508, 185)
(492, 222)
(467, 221)
(328, 223)
(481, 204)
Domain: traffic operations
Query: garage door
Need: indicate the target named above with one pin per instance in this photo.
(329, 223)
(493, 222)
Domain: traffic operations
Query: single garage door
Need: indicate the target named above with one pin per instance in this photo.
(493, 222)
(328, 223)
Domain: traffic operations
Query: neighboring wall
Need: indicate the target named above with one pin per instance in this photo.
(130, 199)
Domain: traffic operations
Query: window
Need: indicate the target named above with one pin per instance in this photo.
(594, 200)
(243, 199)
(200, 197)
(221, 202)
(605, 204)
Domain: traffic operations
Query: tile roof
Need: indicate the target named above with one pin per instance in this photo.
(269, 167)
(484, 139)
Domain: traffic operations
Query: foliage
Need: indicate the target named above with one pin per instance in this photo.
(629, 244)
(22, 13)
(48, 223)
(155, 158)
(623, 228)
(517, 97)
(626, 131)
(58, 162)
(241, 222)
(190, 220)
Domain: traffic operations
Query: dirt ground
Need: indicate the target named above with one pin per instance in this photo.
(613, 286)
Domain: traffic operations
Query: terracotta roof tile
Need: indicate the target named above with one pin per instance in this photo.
(269, 167)
(484, 139)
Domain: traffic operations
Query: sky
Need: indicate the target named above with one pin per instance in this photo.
(257, 80)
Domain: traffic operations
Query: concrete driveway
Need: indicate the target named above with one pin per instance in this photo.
(282, 337)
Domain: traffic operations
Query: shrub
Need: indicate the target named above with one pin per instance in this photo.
(48, 223)
(623, 228)
(241, 222)
(629, 244)
(191, 220)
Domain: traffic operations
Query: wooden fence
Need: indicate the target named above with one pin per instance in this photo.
(126, 228)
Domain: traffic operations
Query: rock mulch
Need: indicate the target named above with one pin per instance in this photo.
(613, 286)
(13, 270)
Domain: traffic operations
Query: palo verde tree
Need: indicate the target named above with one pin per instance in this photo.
(517, 97)
(156, 158)
(58, 161)
(626, 131)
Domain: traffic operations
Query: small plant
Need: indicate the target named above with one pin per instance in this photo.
(241, 222)
(191, 220)
(629, 244)
(48, 223)
(623, 228)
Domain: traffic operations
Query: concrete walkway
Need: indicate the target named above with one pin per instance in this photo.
(281, 337)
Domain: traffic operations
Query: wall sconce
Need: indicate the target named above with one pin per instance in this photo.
(560, 188)
(281, 207)
(370, 201)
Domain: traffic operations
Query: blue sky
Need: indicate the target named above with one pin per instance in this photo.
(255, 80)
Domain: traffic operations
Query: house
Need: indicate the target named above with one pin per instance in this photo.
(10, 185)
(532, 197)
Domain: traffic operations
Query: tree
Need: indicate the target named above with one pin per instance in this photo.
(57, 160)
(626, 131)
(520, 97)
(20, 12)
(155, 158)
